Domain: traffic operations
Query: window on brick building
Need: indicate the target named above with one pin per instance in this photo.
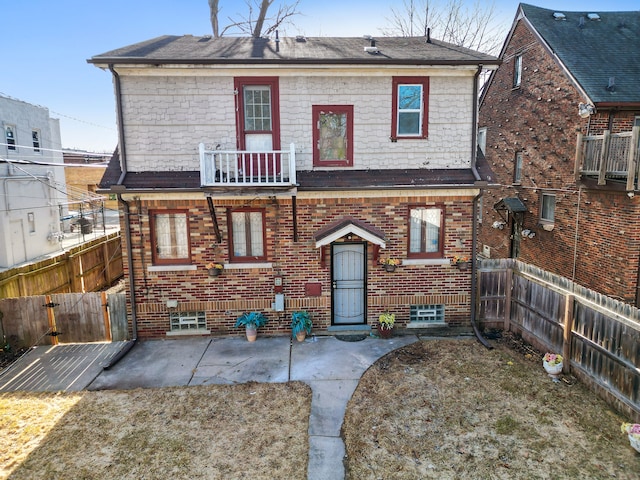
(517, 168)
(187, 321)
(10, 137)
(517, 71)
(170, 237)
(426, 232)
(332, 135)
(410, 102)
(547, 208)
(247, 235)
(482, 140)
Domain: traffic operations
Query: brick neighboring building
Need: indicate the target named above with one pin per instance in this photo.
(567, 78)
(299, 164)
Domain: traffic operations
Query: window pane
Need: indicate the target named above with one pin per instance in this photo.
(171, 236)
(424, 230)
(517, 173)
(408, 123)
(257, 108)
(410, 97)
(248, 240)
(257, 248)
(239, 234)
(333, 136)
(548, 207)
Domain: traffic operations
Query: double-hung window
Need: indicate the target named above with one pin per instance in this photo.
(517, 168)
(426, 232)
(547, 208)
(332, 135)
(248, 242)
(410, 107)
(35, 136)
(170, 237)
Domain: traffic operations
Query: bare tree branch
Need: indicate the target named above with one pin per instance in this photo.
(473, 26)
(249, 24)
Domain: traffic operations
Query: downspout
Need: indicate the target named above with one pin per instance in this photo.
(127, 225)
(474, 229)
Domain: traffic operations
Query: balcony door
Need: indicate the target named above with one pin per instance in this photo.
(258, 125)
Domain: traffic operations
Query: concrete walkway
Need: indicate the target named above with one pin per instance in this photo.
(331, 367)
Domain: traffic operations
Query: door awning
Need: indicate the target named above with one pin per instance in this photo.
(349, 226)
(512, 204)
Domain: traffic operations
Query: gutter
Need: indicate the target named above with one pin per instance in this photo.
(123, 150)
(474, 130)
(474, 282)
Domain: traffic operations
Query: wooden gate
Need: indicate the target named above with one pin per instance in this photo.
(63, 318)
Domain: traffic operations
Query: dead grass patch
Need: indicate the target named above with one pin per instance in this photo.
(453, 409)
(215, 432)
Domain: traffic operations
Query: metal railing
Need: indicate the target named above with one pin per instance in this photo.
(609, 156)
(237, 168)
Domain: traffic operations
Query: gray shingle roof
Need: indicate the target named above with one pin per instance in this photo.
(328, 50)
(595, 50)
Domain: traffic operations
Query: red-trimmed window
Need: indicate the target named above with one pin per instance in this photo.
(332, 135)
(410, 104)
(247, 235)
(258, 121)
(170, 244)
(426, 232)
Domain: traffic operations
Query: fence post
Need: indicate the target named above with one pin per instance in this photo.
(567, 333)
(507, 299)
(107, 263)
(51, 317)
(105, 315)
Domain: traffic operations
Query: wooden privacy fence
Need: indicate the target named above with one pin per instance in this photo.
(89, 267)
(599, 337)
(63, 318)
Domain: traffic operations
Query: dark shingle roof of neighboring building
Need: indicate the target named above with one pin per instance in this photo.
(594, 50)
(326, 50)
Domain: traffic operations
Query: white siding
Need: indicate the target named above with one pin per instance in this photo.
(167, 117)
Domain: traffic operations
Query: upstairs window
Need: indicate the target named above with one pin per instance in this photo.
(517, 168)
(547, 208)
(10, 137)
(409, 103)
(426, 232)
(247, 235)
(333, 135)
(170, 237)
(258, 113)
(517, 71)
(35, 135)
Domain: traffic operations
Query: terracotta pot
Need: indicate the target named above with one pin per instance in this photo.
(252, 333)
(300, 336)
(385, 332)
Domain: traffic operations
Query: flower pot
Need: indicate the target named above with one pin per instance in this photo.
(214, 272)
(635, 443)
(300, 336)
(463, 265)
(554, 371)
(390, 268)
(385, 332)
(252, 333)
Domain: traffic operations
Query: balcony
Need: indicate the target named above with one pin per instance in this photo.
(611, 156)
(234, 168)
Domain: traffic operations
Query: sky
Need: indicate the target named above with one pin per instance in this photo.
(47, 44)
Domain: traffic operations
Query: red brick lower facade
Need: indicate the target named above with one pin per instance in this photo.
(305, 269)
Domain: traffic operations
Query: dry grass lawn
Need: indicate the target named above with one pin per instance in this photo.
(256, 431)
(453, 409)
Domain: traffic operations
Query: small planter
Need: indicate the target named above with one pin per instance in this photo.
(252, 333)
(390, 268)
(635, 443)
(462, 265)
(554, 371)
(300, 336)
(214, 272)
(385, 332)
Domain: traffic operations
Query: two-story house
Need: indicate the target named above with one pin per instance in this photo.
(299, 164)
(32, 182)
(559, 122)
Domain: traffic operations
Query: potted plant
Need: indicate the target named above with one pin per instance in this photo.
(251, 321)
(389, 264)
(214, 269)
(386, 321)
(633, 431)
(552, 363)
(460, 262)
(300, 325)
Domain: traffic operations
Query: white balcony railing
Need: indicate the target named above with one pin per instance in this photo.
(609, 156)
(233, 168)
